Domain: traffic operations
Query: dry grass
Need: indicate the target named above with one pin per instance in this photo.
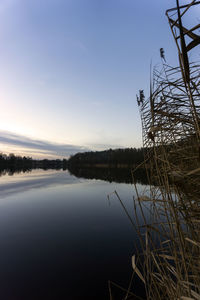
(167, 220)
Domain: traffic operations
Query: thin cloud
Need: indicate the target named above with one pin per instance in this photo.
(38, 146)
(100, 147)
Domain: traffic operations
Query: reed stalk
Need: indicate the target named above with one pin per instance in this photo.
(169, 223)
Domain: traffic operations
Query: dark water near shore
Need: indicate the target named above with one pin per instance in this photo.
(60, 237)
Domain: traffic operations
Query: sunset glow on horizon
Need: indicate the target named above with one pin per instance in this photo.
(70, 72)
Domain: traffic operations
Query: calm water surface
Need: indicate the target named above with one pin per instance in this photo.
(60, 237)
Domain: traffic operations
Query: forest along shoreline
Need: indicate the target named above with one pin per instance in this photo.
(109, 165)
(117, 158)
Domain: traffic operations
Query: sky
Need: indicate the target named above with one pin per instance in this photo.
(70, 71)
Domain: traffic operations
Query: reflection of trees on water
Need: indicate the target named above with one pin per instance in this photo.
(120, 175)
(12, 171)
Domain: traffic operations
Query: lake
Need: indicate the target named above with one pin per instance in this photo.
(62, 238)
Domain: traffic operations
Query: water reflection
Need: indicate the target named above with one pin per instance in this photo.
(119, 175)
(19, 170)
(60, 238)
(35, 179)
(13, 171)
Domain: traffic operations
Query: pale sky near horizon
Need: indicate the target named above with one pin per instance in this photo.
(70, 71)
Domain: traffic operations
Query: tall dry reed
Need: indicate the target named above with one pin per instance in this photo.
(167, 219)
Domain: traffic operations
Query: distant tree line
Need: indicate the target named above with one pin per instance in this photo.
(15, 162)
(127, 157)
(111, 158)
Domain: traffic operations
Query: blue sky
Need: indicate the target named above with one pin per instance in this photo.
(70, 71)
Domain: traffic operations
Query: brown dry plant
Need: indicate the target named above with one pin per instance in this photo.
(167, 218)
